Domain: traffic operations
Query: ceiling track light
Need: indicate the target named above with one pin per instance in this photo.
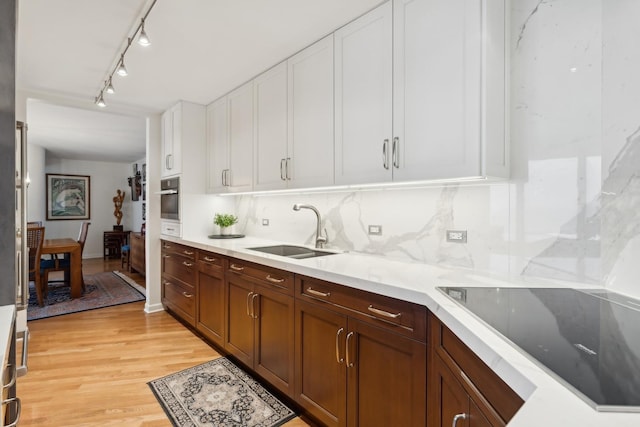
(120, 69)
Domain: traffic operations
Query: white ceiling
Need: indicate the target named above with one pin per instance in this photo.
(200, 50)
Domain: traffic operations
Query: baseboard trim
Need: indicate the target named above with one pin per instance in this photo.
(153, 308)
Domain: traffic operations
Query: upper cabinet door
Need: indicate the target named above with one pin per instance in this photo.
(310, 153)
(240, 110)
(363, 98)
(270, 129)
(437, 88)
(217, 146)
(171, 141)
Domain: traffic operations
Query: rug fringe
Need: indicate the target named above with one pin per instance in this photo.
(130, 281)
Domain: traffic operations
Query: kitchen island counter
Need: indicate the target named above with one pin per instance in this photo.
(547, 401)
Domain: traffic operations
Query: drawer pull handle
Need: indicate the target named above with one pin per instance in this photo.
(16, 401)
(383, 313)
(338, 358)
(188, 252)
(318, 293)
(457, 417)
(236, 268)
(208, 259)
(188, 295)
(187, 264)
(274, 279)
(166, 256)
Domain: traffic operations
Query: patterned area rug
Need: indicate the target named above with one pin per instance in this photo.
(218, 393)
(102, 290)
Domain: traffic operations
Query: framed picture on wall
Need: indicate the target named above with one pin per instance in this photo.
(68, 197)
(144, 211)
(144, 172)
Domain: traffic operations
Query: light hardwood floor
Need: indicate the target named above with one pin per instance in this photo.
(92, 368)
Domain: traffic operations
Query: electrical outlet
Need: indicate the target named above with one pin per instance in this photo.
(265, 222)
(457, 236)
(375, 230)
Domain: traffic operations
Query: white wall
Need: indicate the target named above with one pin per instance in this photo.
(106, 179)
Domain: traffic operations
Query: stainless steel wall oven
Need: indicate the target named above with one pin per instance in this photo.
(170, 198)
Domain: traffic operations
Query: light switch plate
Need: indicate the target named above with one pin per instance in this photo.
(457, 236)
(265, 222)
(375, 230)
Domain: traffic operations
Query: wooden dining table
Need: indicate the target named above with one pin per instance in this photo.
(72, 247)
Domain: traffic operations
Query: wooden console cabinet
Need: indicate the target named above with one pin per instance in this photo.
(137, 252)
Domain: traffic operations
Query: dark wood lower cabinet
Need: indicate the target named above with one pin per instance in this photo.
(211, 297)
(353, 373)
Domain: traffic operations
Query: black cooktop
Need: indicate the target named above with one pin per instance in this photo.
(589, 339)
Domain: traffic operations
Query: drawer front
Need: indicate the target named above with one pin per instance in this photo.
(210, 263)
(273, 278)
(171, 228)
(401, 316)
(176, 248)
(180, 299)
(180, 267)
(459, 357)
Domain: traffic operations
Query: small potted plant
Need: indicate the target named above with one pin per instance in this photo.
(225, 221)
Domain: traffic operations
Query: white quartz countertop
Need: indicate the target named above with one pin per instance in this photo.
(7, 313)
(547, 401)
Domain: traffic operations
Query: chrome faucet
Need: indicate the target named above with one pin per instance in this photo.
(320, 239)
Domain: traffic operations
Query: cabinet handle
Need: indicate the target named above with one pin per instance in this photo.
(166, 256)
(188, 252)
(227, 173)
(383, 313)
(385, 158)
(282, 177)
(166, 246)
(318, 293)
(396, 152)
(169, 161)
(346, 345)
(166, 162)
(186, 294)
(338, 358)
(236, 268)
(248, 309)
(187, 264)
(24, 336)
(16, 401)
(14, 374)
(208, 259)
(253, 306)
(274, 279)
(222, 177)
(286, 169)
(457, 417)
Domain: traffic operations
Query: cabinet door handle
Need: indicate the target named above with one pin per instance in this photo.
(208, 259)
(253, 306)
(338, 358)
(236, 268)
(348, 353)
(248, 309)
(383, 313)
(187, 264)
(385, 157)
(14, 374)
(457, 417)
(318, 293)
(227, 177)
(24, 336)
(282, 177)
(186, 294)
(396, 152)
(15, 401)
(274, 279)
(286, 169)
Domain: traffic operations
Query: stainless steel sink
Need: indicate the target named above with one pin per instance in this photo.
(289, 251)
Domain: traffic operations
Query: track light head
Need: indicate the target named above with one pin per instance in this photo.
(122, 70)
(100, 101)
(143, 38)
(110, 89)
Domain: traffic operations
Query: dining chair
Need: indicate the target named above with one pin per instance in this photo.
(35, 237)
(34, 224)
(64, 264)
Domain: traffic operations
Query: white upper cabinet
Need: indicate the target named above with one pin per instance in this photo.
(446, 119)
(230, 142)
(183, 142)
(363, 98)
(310, 149)
(270, 129)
